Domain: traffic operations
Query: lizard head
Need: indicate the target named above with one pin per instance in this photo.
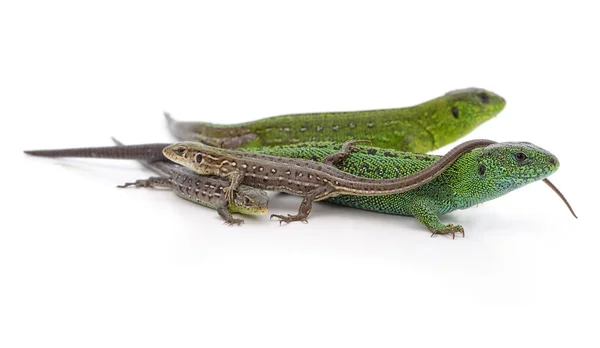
(516, 164)
(492, 171)
(202, 159)
(459, 112)
(249, 201)
(207, 160)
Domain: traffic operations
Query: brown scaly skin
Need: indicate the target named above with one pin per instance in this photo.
(200, 189)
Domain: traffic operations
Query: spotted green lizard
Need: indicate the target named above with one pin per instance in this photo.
(420, 128)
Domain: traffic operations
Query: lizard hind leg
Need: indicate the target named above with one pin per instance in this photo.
(306, 205)
(347, 149)
(153, 181)
(424, 211)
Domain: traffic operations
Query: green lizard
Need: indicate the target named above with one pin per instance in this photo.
(419, 128)
(476, 176)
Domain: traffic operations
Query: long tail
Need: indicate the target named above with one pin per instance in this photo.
(183, 130)
(145, 152)
(160, 167)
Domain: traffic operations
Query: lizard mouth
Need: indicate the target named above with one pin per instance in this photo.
(260, 211)
(254, 210)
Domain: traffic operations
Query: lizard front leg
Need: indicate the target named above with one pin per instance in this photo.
(347, 149)
(424, 211)
(235, 179)
(306, 205)
(224, 212)
(153, 181)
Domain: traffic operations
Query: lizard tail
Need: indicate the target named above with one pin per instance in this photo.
(147, 152)
(156, 166)
(183, 130)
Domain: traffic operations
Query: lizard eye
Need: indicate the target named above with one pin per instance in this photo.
(247, 201)
(455, 112)
(520, 157)
(198, 158)
(482, 170)
(179, 150)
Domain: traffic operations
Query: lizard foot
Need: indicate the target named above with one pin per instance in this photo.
(346, 150)
(233, 222)
(289, 218)
(450, 229)
(137, 184)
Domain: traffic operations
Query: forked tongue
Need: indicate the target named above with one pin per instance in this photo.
(560, 195)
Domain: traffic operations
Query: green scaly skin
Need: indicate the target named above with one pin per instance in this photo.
(476, 177)
(419, 128)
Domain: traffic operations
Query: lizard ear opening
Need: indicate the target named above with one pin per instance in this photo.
(198, 158)
(482, 169)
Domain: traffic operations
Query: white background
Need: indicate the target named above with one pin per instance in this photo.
(83, 264)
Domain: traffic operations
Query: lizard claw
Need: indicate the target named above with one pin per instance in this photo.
(137, 184)
(289, 218)
(354, 142)
(234, 222)
(450, 229)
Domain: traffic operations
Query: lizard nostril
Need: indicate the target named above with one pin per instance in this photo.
(552, 160)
